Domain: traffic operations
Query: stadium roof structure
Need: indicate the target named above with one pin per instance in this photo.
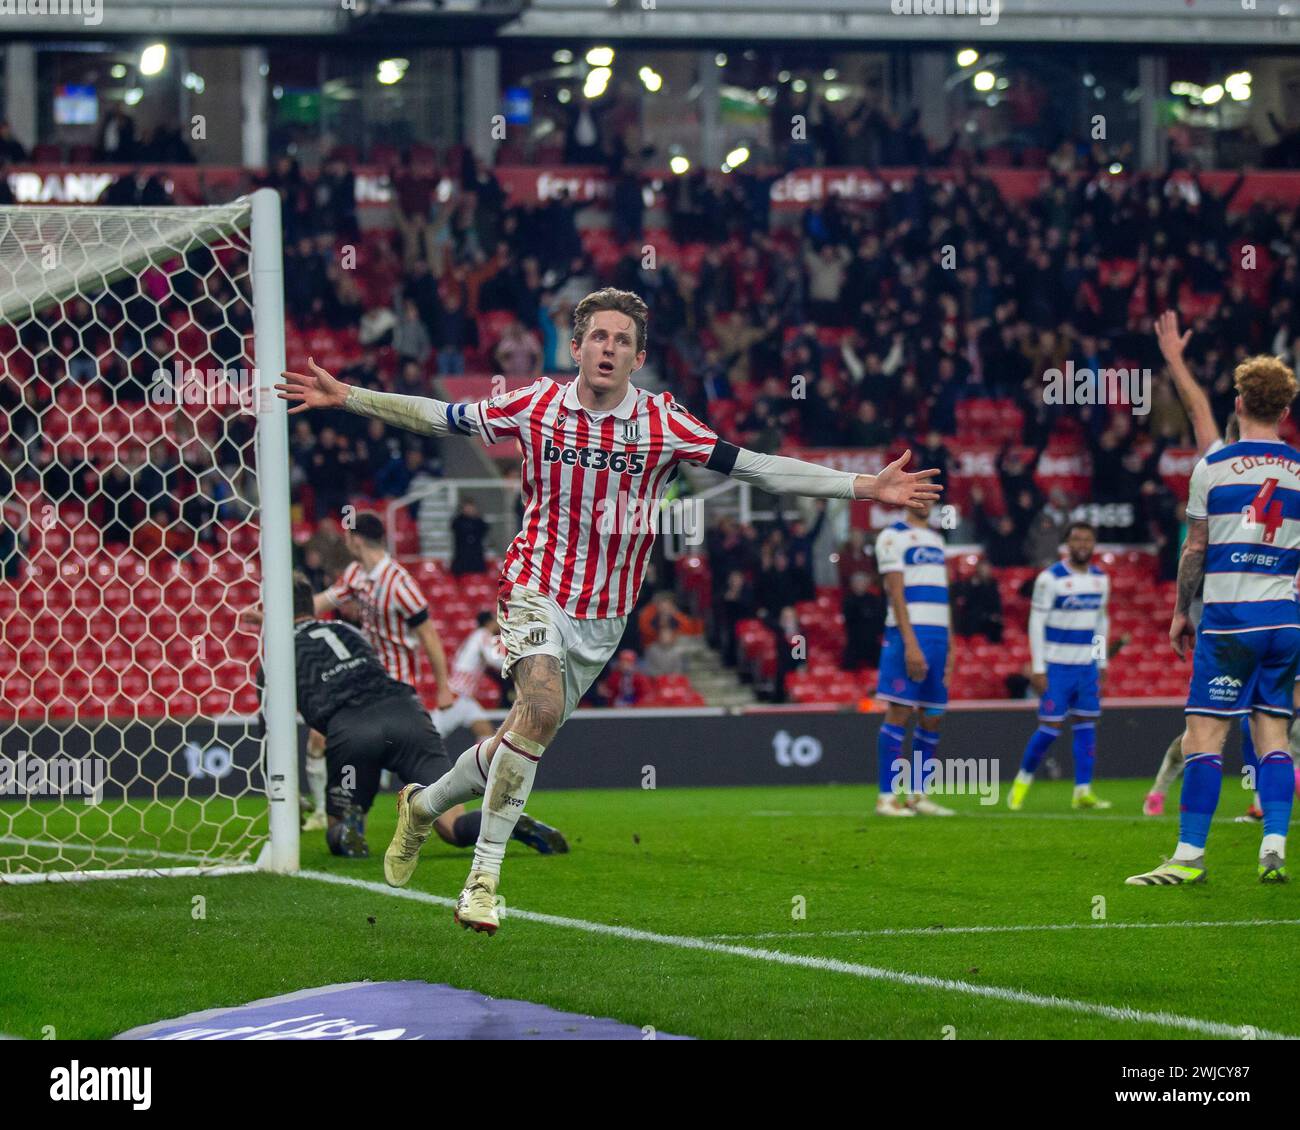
(1272, 23)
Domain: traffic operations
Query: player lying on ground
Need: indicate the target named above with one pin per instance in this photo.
(1243, 544)
(1173, 345)
(597, 455)
(1067, 642)
(371, 722)
(915, 663)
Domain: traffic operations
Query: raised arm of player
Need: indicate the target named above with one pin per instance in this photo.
(1195, 402)
(318, 389)
(779, 474)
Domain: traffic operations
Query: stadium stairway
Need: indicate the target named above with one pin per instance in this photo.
(718, 685)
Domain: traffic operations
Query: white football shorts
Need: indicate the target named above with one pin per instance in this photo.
(533, 624)
(465, 711)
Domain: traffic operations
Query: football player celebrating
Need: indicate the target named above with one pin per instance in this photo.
(590, 448)
(1243, 545)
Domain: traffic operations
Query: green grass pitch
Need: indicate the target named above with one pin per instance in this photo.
(801, 872)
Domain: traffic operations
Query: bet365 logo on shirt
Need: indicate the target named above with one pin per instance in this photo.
(595, 458)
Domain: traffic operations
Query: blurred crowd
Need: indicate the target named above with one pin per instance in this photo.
(847, 325)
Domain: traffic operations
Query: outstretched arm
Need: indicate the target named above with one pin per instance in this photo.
(778, 474)
(318, 389)
(1196, 403)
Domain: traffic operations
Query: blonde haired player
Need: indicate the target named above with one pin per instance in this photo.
(1173, 345)
(1243, 544)
(591, 450)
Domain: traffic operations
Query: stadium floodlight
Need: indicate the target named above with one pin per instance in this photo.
(967, 57)
(1212, 94)
(985, 81)
(651, 79)
(153, 59)
(391, 71)
(131, 696)
(720, 59)
(133, 96)
(118, 70)
(597, 82)
(738, 156)
(1238, 86)
(799, 86)
(563, 56)
(679, 165)
(600, 56)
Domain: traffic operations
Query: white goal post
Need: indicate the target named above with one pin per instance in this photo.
(144, 476)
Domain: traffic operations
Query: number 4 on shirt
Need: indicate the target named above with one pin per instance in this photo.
(1264, 510)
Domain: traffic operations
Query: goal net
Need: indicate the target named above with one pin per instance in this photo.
(144, 473)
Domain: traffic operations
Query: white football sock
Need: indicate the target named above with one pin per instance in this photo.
(1185, 853)
(1273, 843)
(1025, 778)
(463, 781)
(317, 772)
(510, 780)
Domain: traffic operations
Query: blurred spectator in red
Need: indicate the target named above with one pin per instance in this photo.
(625, 685)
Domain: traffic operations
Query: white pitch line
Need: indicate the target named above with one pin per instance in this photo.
(988, 812)
(831, 965)
(943, 931)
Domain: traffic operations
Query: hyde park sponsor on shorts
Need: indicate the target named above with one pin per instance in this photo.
(1224, 688)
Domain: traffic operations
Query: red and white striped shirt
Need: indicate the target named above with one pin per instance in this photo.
(582, 474)
(389, 600)
(480, 650)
